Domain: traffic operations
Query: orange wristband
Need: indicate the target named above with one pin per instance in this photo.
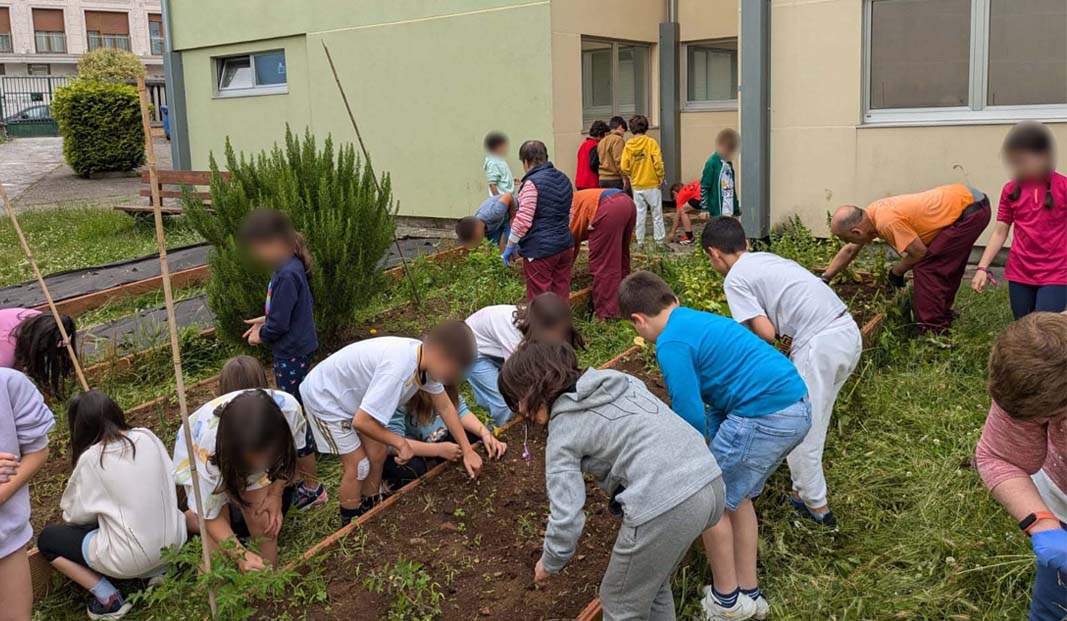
(1037, 517)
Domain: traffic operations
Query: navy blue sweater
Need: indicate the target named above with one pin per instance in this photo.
(290, 325)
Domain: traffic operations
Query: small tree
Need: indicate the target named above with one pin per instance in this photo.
(106, 64)
(331, 198)
(101, 126)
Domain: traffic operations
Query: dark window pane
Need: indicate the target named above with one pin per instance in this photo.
(1027, 52)
(920, 53)
(270, 68)
(711, 70)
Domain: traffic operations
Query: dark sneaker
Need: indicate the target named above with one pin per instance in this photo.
(115, 608)
(826, 519)
(307, 498)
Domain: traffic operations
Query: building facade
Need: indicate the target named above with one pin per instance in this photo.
(47, 37)
(847, 117)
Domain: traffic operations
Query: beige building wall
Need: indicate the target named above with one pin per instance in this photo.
(822, 155)
(423, 81)
(701, 20)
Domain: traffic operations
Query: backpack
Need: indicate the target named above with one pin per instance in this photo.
(594, 160)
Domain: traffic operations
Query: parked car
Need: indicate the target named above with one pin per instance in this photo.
(39, 112)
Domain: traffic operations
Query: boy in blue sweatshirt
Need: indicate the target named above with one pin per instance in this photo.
(750, 404)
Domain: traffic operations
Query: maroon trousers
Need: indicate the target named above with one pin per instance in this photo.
(549, 274)
(938, 274)
(609, 251)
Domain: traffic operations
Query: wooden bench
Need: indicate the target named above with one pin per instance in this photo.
(173, 184)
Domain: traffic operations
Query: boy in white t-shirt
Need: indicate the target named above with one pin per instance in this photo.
(775, 297)
(351, 396)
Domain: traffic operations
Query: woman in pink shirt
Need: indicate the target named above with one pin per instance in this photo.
(1022, 454)
(1035, 201)
(30, 341)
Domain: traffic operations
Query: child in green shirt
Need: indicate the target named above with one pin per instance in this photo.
(718, 184)
(497, 172)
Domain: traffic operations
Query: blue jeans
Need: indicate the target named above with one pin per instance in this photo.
(483, 379)
(1026, 299)
(750, 449)
(1049, 600)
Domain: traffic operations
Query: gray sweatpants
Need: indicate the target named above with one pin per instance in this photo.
(637, 583)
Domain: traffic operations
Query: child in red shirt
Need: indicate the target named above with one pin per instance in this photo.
(587, 176)
(1035, 201)
(685, 197)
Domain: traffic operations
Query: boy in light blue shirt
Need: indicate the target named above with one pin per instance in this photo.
(497, 172)
(752, 407)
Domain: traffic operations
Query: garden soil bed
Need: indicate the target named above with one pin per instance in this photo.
(477, 541)
(865, 297)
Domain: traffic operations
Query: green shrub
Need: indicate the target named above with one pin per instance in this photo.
(101, 126)
(107, 64)
(331, 198)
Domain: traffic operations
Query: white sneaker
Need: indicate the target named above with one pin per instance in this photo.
(763, 609)
(743, 609)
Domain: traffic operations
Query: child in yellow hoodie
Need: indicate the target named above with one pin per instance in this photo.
(642, 162)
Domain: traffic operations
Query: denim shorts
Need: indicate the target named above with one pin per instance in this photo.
(749, 449)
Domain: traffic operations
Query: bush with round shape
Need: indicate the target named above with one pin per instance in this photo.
(101, 126)
(107, 64)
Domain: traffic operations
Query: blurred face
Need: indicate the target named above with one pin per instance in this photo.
(441, 367)
(477, 237)
(538, 416)
(271, 252)
(726, 151)
(717, 261)
(1027, 165)
(502, 150)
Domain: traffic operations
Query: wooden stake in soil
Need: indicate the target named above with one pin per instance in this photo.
(172, 325)
(366, 157)
(47, 296)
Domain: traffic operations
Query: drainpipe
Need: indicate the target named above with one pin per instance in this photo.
(174, 74)
(756, 116)
(669, 105)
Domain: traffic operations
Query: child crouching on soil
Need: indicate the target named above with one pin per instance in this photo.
(288, 322)
(491, 222)
(111, 529)
(498, 331)
(1022, 454)
(352, 395)
(246, 445)
(430, 439)
(659, 474)
(25, 421)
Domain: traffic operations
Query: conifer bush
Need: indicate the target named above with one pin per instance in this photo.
(331, 196)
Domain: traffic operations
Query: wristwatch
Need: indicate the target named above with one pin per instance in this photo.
(1028, 522)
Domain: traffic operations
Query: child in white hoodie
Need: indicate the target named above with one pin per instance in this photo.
(120, 505)
(656, 469)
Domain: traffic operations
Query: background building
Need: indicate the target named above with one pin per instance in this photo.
(835, 109)
(46, 37)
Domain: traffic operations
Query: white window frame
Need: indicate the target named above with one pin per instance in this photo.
(709, 105)
(253, 91)
(978, 112)
(615, 43)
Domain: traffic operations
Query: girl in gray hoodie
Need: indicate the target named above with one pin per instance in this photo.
(659, 474)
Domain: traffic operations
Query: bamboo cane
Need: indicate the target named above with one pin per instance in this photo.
(366, 157)
(172, 326)
(47, 296)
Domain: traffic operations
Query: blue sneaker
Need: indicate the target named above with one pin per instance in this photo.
(307, 498)
(115, 608)
(826, 519)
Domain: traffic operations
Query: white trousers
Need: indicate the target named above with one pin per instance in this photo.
(653, 201)
(825, 362)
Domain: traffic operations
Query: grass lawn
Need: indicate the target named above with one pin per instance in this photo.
(65, 238)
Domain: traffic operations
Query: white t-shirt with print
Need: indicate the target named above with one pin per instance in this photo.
(205, 427)
(726, 186)
(797, 303)
(494, 331)
(375, 375)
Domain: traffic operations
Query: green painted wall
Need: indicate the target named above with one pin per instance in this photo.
(426, 79)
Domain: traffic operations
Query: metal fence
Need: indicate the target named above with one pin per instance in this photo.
(26, 103)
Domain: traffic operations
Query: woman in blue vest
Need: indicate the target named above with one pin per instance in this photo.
(541, 231)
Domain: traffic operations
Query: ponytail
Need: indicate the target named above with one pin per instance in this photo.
(302, 252)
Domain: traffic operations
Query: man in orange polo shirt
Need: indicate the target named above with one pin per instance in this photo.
(606, 217)
(932, 231)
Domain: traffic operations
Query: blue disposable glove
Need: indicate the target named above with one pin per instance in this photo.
(1050, 546)
(508, 253)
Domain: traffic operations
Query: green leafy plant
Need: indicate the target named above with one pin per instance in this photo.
(696, 283)
(101, 126)
(332, 198)
(106, 64)
(416, 597)
(791, 239)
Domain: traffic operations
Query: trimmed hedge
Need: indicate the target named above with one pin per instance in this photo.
(101, 126)
(107, 64)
